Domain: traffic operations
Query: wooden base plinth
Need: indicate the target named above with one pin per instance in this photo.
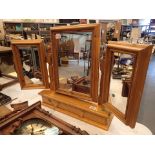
(82, 110)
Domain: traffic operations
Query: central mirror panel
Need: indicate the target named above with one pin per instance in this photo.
(30, 62)
(74, 61)
(121, 79)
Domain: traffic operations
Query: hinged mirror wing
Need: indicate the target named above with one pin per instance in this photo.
(75, 65)
(30, 62)
(124, 75)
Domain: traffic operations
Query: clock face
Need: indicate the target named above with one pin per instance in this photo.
(37, 127)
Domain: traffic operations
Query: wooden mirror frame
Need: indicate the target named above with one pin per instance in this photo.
(142, 53)
(42, 59)
(54, 77)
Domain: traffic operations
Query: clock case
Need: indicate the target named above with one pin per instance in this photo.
(22, 113)
(95, 108)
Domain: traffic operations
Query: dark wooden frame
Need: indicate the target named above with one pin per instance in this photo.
(42, 59)
(13, 120)
(95, 29)
(142, 53)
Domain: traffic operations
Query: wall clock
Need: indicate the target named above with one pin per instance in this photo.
(37, 127)
(33, 120)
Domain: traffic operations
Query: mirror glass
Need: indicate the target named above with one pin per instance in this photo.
(74, 61)
(30, 65)
(121, 77)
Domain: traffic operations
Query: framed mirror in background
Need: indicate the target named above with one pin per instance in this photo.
(123, 79)
(30, 62)
(75, 60)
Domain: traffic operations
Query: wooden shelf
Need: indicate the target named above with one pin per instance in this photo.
(31, 31)
(9, 24)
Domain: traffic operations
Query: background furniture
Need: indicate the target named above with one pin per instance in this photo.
(19, 28)
(6, 57)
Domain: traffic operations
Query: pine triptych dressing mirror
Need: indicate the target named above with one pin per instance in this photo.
(83, 85)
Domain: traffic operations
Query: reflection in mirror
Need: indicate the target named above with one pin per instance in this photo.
(121, 77)
(74, 61)
(30, 65)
